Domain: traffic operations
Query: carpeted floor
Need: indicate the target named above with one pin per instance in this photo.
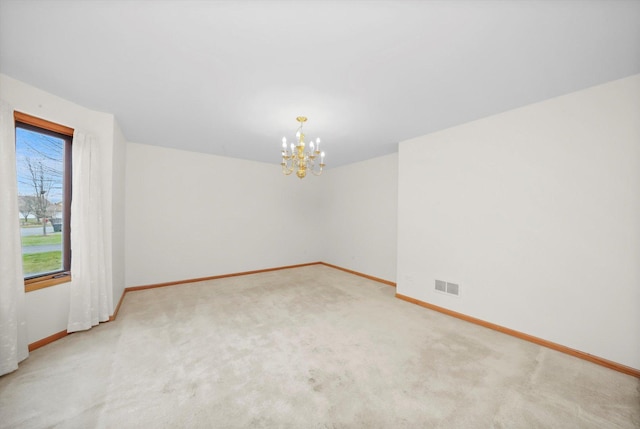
(309, 347)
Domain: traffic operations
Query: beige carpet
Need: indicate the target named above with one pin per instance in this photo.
(310, 347)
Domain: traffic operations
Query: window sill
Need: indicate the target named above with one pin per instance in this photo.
(46, 281)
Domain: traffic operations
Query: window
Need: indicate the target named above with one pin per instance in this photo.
(43, 164)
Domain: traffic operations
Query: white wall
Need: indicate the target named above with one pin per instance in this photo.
(191, 215)
(536, 214)
(118, 212)
(47, 309)
(359, 216)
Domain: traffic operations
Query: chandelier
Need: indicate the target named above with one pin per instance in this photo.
(295, 157)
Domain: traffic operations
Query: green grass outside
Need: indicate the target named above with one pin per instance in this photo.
(41, 262)
(38, 240)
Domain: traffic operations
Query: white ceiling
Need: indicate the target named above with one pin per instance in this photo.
(229, 78)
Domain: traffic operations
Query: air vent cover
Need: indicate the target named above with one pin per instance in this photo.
(448, 287)
(453, 288)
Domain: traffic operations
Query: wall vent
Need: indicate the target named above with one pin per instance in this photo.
(453, 288)
(448, 288)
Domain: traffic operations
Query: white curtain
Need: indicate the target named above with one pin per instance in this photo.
(13, 324)
(91, 293)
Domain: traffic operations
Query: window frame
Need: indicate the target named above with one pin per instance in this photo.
(32, 123)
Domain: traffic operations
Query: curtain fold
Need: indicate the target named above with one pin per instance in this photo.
(13, 324)
(91, 295)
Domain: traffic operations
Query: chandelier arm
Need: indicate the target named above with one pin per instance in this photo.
(316, 171)
(287, 170)
(287, 165)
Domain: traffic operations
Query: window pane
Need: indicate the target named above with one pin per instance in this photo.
(40, 167)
